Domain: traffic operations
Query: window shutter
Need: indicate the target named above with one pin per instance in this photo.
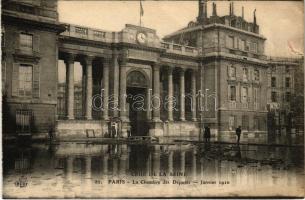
(237, 93)
(228, 70)
(36, 81)
(269, 80)
(250, 93)
(36, 42)
(15, 79)
(236, 42)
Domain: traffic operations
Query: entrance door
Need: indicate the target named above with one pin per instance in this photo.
(136, 98)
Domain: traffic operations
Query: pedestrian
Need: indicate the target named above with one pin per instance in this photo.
(50, 132)
(207, 134)
(238, 133)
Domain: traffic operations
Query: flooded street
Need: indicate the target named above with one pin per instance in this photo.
(84, 170)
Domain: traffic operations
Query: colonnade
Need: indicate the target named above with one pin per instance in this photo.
(121, 88)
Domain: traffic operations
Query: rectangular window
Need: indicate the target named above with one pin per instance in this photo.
(287, 82)
(232, 72)
(287, 97)
(245, 74)
(287, 69)
(273, 96)
(232, 93)
(25, 80)
(254, 47)
(230, 42)
(256, 75)
(245, 122)
(242, 45)
(231, 122)
(255, 95)
(273, 81)
(244, 94)
(26, 42)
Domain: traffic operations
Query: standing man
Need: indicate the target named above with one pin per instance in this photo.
(238, 133)
(207, 134)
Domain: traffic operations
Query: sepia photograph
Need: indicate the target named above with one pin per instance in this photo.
(152, 99)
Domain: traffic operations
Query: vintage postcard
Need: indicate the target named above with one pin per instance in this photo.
(152, 99)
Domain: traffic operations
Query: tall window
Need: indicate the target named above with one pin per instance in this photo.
(231, 122)
(287, 96)
(273, 81)
(253, 47)
(232, 93)
(230, 42)
(243, 45)
(244, 94)
(273, 96)
(232, 71)
(26, 42)
(245, 74)
(256, 75)
(255, 95)
(25, 80)
(287, 82)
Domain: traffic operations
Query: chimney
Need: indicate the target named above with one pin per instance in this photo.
(202, 12)
(214, 9)
(242, 12)
(254, 17)
(232, 8)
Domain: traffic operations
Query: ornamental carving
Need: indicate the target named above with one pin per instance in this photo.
(136, 79)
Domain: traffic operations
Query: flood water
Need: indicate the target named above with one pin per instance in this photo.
(84, 170)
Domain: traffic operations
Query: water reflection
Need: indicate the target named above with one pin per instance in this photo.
(113, 170)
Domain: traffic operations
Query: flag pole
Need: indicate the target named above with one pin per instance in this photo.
(141, 12)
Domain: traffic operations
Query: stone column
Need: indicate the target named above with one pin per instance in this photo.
(123, 85)
(156, 159)
(170, 93)
(88, 167)
(182, 161)
(156, 90)
(106, 88)
(194, 164)
(123, 159)
(194, 105)
(105, 164)
(88, 61)
(148, 164)
(70, 85)
(69, 169)
(170, 162)
(182, 95)
(116, 78)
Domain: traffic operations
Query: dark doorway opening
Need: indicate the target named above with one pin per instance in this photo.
(137, 101)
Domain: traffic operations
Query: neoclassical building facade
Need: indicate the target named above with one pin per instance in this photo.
(211, 73)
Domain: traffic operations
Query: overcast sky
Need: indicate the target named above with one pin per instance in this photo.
(280, 21)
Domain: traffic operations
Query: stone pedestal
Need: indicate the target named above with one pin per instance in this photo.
(156, 129)
(124, 129)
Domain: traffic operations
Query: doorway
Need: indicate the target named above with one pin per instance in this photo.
(137, 104)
